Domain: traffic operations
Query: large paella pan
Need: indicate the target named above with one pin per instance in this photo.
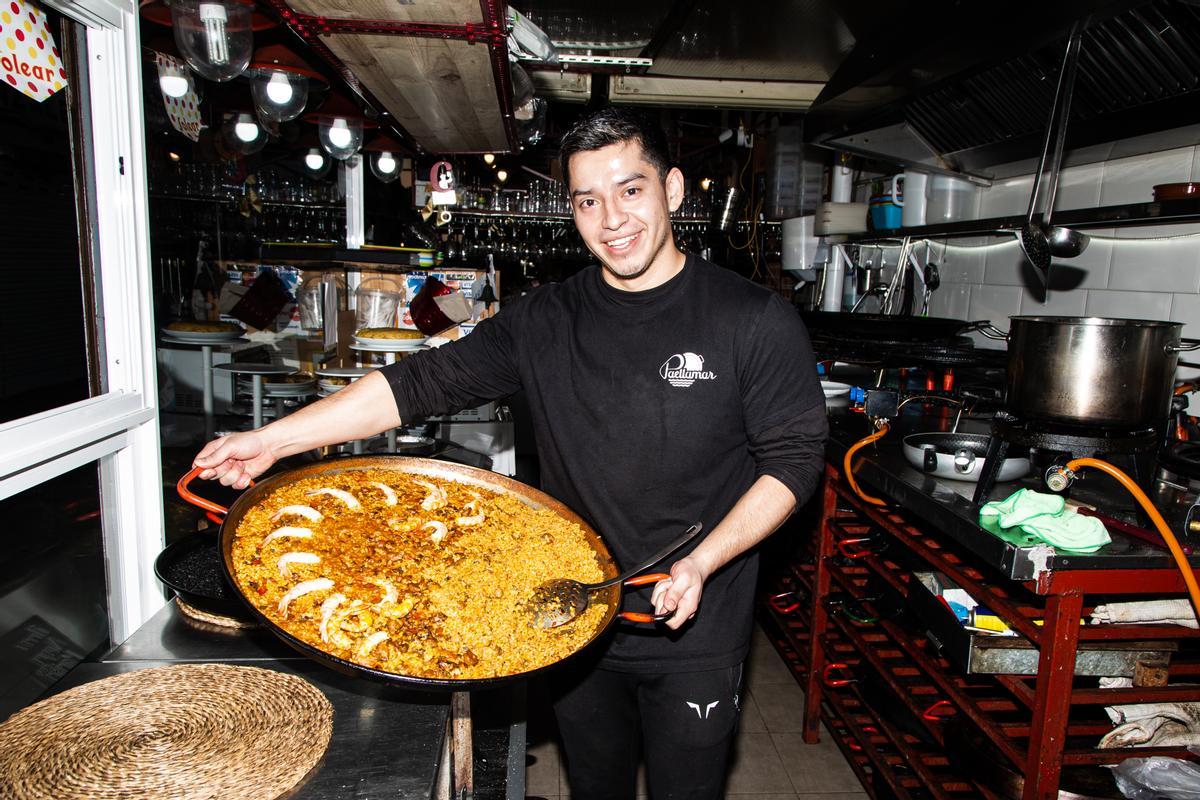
(429, 579)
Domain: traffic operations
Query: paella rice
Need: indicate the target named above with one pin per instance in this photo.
(413, 575)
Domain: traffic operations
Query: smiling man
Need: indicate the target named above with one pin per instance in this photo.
(664, 391)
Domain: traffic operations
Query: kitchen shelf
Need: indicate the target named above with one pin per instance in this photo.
(1153, 213)
(1041, 722)
(535, 215)
(276, 203)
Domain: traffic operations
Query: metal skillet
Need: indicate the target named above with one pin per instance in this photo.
(428, 468)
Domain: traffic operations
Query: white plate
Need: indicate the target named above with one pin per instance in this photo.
(201, 337)
(415, 342)
(342, 372)
(325, 388)
(388, 348)
(835, 389)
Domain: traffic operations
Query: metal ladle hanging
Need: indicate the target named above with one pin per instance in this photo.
(1040, 240)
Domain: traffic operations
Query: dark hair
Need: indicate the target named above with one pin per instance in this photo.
(614, 125)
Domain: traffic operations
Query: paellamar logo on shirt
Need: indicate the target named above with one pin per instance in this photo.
(684, 369)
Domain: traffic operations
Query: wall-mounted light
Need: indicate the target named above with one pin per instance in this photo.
(501, 175)
(706, 184)
(279, 82)
(489, 159)
(173, 155)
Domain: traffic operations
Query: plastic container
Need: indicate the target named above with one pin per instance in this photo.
(949, 199)
(885, 214)
(794, 175)
(376, 303)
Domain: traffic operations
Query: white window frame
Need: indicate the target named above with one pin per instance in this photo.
(119, 428)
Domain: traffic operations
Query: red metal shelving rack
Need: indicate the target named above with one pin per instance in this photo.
(1039, 722)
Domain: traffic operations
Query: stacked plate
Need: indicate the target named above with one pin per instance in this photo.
(282, 388)
(332, 379)
(388, 345)
(201, 337)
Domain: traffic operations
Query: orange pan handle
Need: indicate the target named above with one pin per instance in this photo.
(195, 499)
(637, 616)
(644, 580)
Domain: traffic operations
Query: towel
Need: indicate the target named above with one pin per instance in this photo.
(1166, 612)
(1045, 517)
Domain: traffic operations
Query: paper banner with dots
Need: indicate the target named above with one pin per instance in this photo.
(184, 112)
(29, 59)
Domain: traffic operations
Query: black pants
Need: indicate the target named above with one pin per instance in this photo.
(686, 723)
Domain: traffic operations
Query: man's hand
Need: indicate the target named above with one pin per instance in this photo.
(236, 459)
(680, 594)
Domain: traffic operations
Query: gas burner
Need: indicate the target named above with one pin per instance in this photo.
(1181, 458)
(958, 351)
(1057, 443)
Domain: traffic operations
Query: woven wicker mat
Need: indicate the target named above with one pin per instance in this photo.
(182, 732)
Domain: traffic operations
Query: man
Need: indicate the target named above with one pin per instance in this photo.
(664, 391)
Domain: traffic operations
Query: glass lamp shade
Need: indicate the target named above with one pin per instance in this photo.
(385, 166)
(340, 137)
(278, 95)
(214, 36)
(243, 133)
(175, 81)
(315, 163)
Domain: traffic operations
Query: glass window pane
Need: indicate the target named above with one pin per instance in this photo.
(43, 344)
(53, 597)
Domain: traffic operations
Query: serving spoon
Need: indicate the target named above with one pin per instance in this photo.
(559, 601)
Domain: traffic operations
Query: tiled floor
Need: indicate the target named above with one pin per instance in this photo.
(770, 762)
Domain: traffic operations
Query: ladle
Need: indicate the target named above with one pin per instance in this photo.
(559, 601)
(1040, 240)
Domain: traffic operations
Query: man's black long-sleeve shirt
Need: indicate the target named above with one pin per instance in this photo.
(652, 410)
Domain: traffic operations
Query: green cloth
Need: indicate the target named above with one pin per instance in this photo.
(1028, 517)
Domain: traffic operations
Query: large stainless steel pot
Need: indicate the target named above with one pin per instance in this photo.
(1092, 370)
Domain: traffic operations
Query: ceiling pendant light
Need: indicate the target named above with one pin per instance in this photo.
(385, 159)
(339, 126)
(214, 36)
(175, 80)
(242, 133)
(279, 81)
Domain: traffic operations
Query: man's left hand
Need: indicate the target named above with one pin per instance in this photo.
(680, 594)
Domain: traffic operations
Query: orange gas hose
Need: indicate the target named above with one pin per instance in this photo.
(848, 467)
(1189, 577)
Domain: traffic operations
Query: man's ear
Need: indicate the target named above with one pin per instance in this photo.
(674, 187)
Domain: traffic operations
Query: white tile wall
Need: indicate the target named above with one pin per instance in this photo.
(1055, 304)
(1005, 197)
(1079, 187)
(1144, 260)
(1128, 305)
(1003, 264)
(1128, 272)
(1185, 308)
(1132, 180)
(951, 300)
(962, 261)
(997, 304)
